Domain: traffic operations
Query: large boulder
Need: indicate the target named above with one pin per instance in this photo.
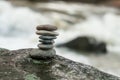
(17, 65)
(84, 43)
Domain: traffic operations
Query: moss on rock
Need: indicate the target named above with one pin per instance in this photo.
(31, 77)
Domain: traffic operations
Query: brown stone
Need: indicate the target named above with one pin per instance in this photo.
(46, 27)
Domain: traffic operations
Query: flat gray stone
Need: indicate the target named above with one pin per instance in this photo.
(47, 37)
(42, 54)
(45, 46)
(46, 41)
(47, 33)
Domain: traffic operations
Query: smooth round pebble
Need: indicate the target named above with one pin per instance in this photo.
(47, 33)
(46, 27)
(47, 37)
(47, 41)
(45, 46)
(42, 54)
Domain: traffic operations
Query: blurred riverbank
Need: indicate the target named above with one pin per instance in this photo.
(112, 3)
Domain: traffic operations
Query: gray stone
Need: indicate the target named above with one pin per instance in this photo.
(46, 33)
(20, 66)
(45, 46)
(47, 37)
(46, 41)
(42, 54)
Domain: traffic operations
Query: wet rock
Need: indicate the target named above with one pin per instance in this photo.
(84, 43)
(20, 66)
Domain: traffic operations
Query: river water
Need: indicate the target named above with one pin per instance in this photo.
(17, 29)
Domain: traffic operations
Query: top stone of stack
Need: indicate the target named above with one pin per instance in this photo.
(46, 27)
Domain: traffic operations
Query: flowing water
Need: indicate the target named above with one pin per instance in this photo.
(17, 29)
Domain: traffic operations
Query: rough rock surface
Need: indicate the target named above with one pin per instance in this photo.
(17, 65)
(85, 43)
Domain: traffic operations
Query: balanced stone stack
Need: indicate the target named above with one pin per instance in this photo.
(47, 36)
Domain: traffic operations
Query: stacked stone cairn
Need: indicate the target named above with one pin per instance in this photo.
(45, 47)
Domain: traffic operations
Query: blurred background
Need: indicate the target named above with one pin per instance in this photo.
(89, 29)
